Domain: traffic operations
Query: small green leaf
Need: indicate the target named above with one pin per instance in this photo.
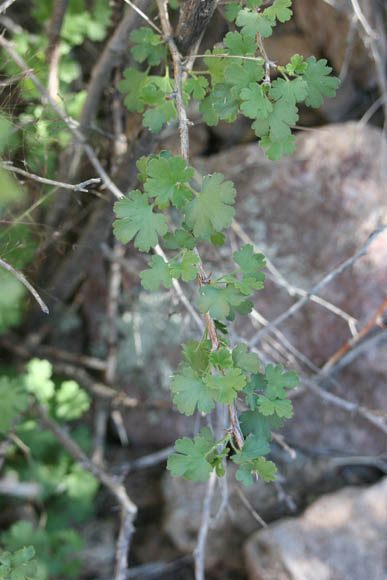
(149, 46)
(225, 102)
(232, 10)
(259, 466)
(158, 273)
(277, 381)
(319, 82)
(210, 212)
(255, 103)
(197, 86)
(133, 83)
(190, 460)
(256, 423)
(38, 379)
(218, 301)
(136, 219)
(282, 407)
(297, 65)
(250, 263)
(239, 44)
(279, 10)
(254, 23)
(221, 358)
(157, 117)
(71, 401)
(196, 355)
(224, 388)
(165, 177)
(210, 115)
(189, 392)
(276, 149)
(246, 361)
(253, 447)
(180, 239)
(187, 267)
(216, 65)
(292, 91)
(240, 76)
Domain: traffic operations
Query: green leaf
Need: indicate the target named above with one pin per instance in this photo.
(319, 82)
(189, 392)
(133, 83)
(210, 212)
(297, 65)
(277, 381)
(218, 301)
(279, 10)
(221, 358)
(136, 219)
(239, 44)
(260, 466)
(216, 65)
(187, 267)
(277, 124)
(253, 447)
(292, 91)
(282, 407)
(157, 117)
(19, 565)
(71, 401)
(246, 361)
(210, 115)
(13, 402)
(218, 239)
(166, 177)
(149, 46)
(250, 263)
(196, 355)
(240, 76)
(246, 285)
(256, 423)
(232, 10)
(38, 379)
(276, 149)
(180, 239)
(255, 103)
(158, 273)
(191, 462)
(254, 23)
(224, 388)
(225, 102)
(197, 86)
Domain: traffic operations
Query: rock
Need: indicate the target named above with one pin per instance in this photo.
(308, 213)
(341, 536)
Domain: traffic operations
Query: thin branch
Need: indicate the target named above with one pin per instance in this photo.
(199, 553)
(53, 46)
(76, 187)
(128, 508)
(362, 19)
(250, 508)
(145, 461)
(144, 16)
(5, 5)
(71, 124)
(323, 282)
(19, 276)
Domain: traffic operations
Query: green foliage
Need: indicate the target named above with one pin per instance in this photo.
(19, 565)
(149, 46)
(13, 402)
(195, 459)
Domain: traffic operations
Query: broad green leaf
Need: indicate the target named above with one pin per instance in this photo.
(196, 355)
(279, 10)
(253, 447)
(158, 273)
(276, 149)
(319, 82)
(221, 358)
(187, 267)
(225, 102)
(216, 65)
(155, 118)
(38, 379)
(197, 86)
(190, 460)
(278, 124)
(180, 239)
(232, 10)
(71, 401)
(282, 407)
(13, 402)
(11, 301)
(210, 115)
(257, 382)
(165, 177)
(256, 423)
(149, 46)
(239, 44)
(246, 361)
(224, 387)
(240, 76)
(210, 212)
(292, 91)
(218, 301)
(254, 23)
(133, 83)
(189, 392)
(277, 381)
(136, 219)
(250, 263)
(255, 103)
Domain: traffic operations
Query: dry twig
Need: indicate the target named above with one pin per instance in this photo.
(19, 276)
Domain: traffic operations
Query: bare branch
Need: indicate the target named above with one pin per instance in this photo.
(199, 553)
(323, 282)
(77, 187)
(250, 508)
(53, 46)
(5, 5)
(19, 276)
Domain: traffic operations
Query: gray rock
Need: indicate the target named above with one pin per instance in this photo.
(342, 536)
